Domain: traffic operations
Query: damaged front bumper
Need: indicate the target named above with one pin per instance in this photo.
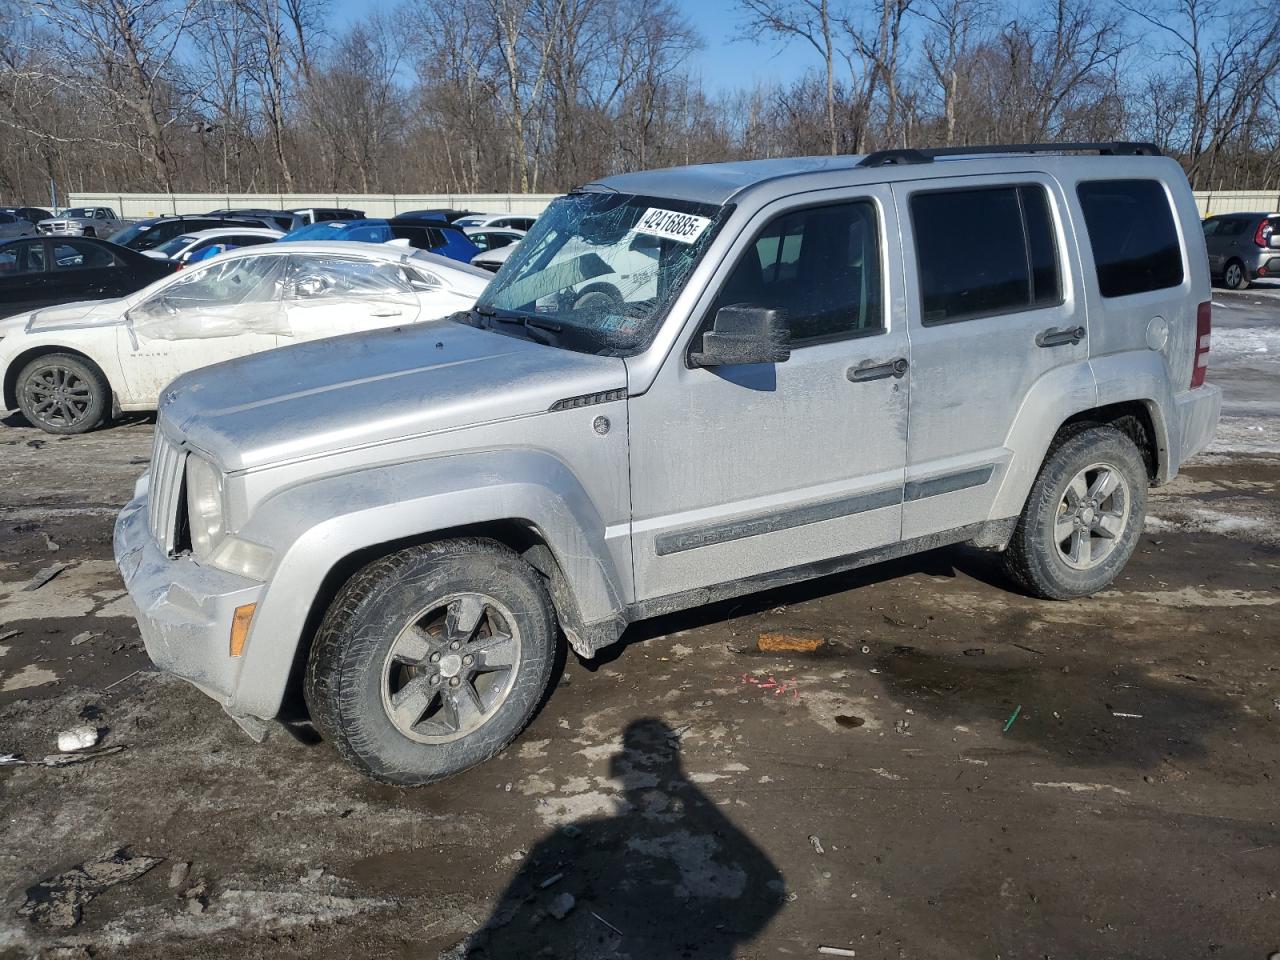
(184, 610)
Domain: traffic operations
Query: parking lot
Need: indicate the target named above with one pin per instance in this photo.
(912, 760)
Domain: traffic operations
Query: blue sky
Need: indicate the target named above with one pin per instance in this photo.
(724, 63)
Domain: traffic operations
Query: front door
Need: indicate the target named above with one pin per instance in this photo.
(744, 470)
(227, 309)
(25, 281)
(997, 323)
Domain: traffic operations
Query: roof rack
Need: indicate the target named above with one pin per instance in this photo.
(1115, 148)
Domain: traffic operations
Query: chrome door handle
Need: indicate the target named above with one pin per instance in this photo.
(1053, 337)
(384, 312)
(867, 370)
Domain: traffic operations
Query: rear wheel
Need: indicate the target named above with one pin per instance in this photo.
(1083, 517)
(62, 393)
(1233, 276)
(432, 660)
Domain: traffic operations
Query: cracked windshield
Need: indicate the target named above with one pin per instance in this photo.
(599, 270)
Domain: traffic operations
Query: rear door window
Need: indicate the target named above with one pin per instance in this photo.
(76, 255)
(1132, 235)
(984, 252)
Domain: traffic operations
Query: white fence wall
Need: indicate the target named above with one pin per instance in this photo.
(135, 206)
(1236, 201)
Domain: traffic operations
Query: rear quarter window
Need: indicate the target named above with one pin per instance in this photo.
(1132, 235)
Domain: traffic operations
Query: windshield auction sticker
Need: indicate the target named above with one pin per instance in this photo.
(669, 225)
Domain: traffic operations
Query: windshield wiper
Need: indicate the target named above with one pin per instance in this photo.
(529, 323)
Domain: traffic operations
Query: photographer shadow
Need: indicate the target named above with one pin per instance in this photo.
(667, 876)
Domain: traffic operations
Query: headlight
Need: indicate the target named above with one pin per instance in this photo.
(210, 542)
(204, 506)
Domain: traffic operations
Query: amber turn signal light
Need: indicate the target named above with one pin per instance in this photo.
(240, 627)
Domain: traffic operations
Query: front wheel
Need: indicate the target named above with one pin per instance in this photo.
(64, 394)
(432, 660)
(1083, 517)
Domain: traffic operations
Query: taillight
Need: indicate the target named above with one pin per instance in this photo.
(1262, 236)
(1204, 324)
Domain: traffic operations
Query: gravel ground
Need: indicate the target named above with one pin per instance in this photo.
(954, 770)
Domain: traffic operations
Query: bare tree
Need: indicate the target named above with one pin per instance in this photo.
(954, 26)
(807, 20)
(121, 53)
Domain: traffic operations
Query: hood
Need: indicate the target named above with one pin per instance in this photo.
(362, 389)
(82, 313)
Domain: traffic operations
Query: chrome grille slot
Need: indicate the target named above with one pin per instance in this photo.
(167, 461)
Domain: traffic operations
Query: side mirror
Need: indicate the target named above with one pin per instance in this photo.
(744, 334)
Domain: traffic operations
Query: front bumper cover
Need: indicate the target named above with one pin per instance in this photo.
(184, 610)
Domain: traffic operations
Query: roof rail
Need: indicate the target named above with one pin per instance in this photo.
(1114, 148)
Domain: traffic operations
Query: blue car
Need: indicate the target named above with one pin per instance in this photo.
(437, 238)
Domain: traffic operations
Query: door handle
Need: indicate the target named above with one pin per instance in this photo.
(867, 370)
(1053, 337)
(384, 312)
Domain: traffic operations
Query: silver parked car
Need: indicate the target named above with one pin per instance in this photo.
(13, 226)
(1243, 247)
(82, 222)
(684, 385)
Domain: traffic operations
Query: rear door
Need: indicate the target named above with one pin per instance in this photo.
(328, 296)
(996, 306)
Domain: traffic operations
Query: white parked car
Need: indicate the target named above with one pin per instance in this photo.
(72, 367)
(507, 221)
(185, 246)
(492, 260)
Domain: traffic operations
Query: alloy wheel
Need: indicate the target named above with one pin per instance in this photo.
(1092, 515)
(451, 668)
(58, 396)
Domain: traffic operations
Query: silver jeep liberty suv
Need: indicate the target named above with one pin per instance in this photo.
(686, 384)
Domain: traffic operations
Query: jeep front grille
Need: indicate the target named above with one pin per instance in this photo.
(168, 463)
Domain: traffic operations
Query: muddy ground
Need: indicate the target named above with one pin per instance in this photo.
(956, 771)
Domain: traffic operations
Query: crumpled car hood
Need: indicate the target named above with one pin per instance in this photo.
(330, 395)
(82, 313)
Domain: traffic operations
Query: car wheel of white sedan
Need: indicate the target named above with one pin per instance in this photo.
(64, 394)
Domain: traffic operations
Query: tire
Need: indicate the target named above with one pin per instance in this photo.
(1063, 547)
(89, 232)
(1234, 277)
(395, 640)
(64, 394)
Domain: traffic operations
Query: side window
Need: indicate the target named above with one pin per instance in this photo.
(422, 280)
(318, 277)
(17, 259)
(819, 267)
(247, 240)
(73, 255)
(1132, 235)
(6, 218)
(984, 252)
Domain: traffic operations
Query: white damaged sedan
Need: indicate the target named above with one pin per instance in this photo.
(70, 368)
